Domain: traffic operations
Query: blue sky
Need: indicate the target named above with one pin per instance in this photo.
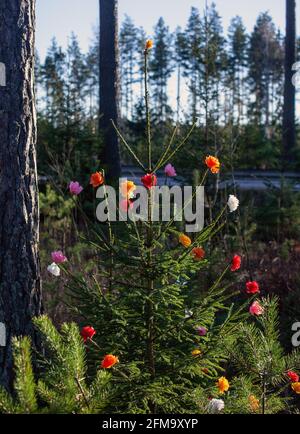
(61, 17)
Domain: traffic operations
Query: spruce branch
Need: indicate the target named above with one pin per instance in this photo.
(128, 147)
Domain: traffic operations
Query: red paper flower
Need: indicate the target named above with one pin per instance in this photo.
(198, 253)
(236, 263)
(149, 180)
(109, 361)
(293, 376)
(87, 333)
(96, 179)
(252, 288)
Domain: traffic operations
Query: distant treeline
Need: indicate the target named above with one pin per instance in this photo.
(232, 83)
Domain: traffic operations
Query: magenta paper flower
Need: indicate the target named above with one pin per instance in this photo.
(58, 257)
(75, 188)
(170, 171)
(201, 331)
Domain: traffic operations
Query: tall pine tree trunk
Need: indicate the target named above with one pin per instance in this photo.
(20, 296)
(109, 84)
(289, 129)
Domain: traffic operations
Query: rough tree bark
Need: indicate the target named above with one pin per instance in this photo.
(109, 84)
(20, 295)
(289, 128)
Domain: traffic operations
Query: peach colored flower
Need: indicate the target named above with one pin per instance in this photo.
(127, 189)
(256, 309)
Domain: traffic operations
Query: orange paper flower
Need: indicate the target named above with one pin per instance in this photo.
(198, 253)
(185, 240)
(296, 387)
(254, 403)
(223, 385)
(213, 164)
(96, 179)
(127, 188)
(109, 361)
(149, 44)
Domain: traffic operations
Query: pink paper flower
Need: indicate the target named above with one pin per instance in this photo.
(126, 204)
(75, 188)
(202, 331)
(256, 309)
(170, 171)
(58, 257)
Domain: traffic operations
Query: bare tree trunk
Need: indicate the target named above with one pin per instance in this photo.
(109, 84)
(20, 295)
(289, 129)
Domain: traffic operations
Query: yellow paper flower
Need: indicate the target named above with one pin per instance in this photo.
(254, 403)
(296, 387)
(185, 240)
(127, 189)
(149, 44)
(223, 384)
(196, 353)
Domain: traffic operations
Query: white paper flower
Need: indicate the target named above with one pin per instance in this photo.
(188, 314)
(233, 203)
(216, 406)
(54, 269)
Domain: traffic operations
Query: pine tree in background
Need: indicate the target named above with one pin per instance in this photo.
(190, 50)
(68, 138)
(52, 77)
(92, 67)
(265, 57)
(161, 68)
(237, 62)
(178, 59)
(141, 37)
(213, 58)
(128, 50)
(76, 85)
